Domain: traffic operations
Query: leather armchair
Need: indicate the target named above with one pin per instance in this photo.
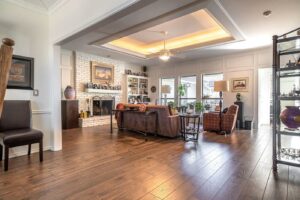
(211, 121)
(15, 129)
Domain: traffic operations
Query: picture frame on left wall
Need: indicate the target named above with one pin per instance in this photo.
(21, 74)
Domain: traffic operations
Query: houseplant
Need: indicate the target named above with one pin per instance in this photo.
(181, 90)
(199, 107)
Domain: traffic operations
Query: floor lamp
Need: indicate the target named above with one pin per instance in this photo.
(165, 89)
(221, 86)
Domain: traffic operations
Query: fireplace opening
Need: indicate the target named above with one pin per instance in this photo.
(102, 106)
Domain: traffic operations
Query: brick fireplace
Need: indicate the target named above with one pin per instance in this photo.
(102, 106)
(83, 76)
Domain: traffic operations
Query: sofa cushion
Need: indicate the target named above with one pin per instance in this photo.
(19, 137)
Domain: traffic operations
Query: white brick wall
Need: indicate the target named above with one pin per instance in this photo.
(95, 121)
(83, 76)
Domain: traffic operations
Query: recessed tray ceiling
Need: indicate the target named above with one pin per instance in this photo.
(190, 31)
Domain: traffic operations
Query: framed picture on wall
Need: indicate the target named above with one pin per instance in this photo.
(240, 84)
(102, 73)
(21, 74)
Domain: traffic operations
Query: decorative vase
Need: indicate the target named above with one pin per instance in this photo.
(290, 117)
(69, 93)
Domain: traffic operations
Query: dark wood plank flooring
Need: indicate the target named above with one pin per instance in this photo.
(95, 164)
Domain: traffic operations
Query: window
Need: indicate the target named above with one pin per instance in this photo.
(209, 97)
(170, 97)
(188, 86)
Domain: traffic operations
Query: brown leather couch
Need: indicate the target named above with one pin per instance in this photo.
(154, 119)
(211, 121)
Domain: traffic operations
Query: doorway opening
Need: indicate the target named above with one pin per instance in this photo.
(265, 97)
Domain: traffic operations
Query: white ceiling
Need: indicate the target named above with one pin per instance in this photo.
(43, 6)
(244, 15)
(172, 27)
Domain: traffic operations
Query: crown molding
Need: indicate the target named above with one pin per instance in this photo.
(58, 4)
(38, 9)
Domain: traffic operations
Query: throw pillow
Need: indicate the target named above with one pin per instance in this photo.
(225, 110)
(142, 108)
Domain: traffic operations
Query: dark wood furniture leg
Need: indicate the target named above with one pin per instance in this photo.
(41, 150)
(6, 158)
(1, 152)
(29, 149)
(111, 122)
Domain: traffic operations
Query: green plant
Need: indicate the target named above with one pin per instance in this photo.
(181, 90)
(199, 106)
(171, 104)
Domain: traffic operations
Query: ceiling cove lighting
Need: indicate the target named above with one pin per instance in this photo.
(198, 29)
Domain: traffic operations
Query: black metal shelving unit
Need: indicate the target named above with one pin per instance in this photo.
(279, 74)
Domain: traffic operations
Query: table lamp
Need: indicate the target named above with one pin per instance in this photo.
(221, 86)
(165, 89)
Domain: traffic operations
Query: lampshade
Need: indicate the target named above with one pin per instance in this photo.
(221, 86)
(165, 89)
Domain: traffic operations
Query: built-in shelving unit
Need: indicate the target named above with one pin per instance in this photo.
(137, 88)
(284, 45)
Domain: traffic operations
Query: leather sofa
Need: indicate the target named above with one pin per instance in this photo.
(152, 119)
(211, 121)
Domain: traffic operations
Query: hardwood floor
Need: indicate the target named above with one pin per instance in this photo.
(95, 164)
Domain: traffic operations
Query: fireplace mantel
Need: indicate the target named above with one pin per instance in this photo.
(102, 91)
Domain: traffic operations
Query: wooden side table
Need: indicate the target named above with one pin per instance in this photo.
(190, 126)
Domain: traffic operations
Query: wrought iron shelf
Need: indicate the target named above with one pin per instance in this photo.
(297, 67)
(289, 98)
(288, 39)
(289, 75)
(289, 133)
(280, 159)
(289, 52)
(283, 41)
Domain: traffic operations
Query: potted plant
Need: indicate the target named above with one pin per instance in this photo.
(199, 107)
(171, 104)
(181, 90)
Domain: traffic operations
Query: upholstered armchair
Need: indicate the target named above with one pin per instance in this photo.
(211, 121)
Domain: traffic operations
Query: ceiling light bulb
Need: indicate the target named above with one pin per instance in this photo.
(165, 55)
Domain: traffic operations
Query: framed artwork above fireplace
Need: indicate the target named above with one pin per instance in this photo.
(102, 73)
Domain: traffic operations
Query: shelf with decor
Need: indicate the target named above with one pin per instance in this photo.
(286, 112)
(136, 89)
(102, 91)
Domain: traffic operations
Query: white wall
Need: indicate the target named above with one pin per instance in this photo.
(30, 31)
(244, 64)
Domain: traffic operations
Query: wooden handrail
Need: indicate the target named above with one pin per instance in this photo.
(6, 52)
